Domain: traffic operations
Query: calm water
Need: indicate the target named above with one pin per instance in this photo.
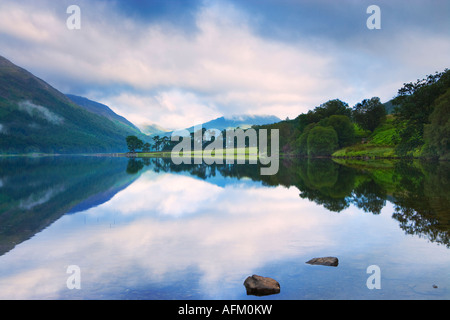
(148, 230)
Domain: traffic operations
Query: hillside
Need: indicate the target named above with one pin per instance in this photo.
(378, 144)
(102, 110)
(35, 117)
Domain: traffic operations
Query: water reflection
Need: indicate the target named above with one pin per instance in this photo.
(145, 229)
(420, 191)
(37, 191)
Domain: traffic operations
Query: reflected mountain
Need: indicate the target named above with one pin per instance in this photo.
(420, 191)
(34, 192)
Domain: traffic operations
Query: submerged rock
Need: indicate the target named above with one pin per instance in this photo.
(324, 261)
(261, 286)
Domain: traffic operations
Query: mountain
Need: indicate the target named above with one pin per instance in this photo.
(241, 121)
(102, 110)
(35, 117)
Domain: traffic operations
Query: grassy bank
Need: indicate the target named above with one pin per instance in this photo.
(237, 153)
(378, 144)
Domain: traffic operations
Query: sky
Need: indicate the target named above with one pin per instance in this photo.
(177, 63)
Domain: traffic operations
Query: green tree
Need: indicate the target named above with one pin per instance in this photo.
(413, 107)
(333, 107)
(437, 132)
(157, 141)
(165, 142)
(322, 141)
(134, 143)
(325, 110)
(369, 113)
(344, 129)
(301, 142)
(146, 147)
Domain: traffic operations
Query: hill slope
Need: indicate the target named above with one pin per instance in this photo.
(35, 117)
(102, 110)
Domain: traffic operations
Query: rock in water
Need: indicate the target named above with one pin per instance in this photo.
(261, 286)
(324, 261)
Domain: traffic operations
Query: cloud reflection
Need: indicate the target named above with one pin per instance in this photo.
(175, 231)
(160, 227)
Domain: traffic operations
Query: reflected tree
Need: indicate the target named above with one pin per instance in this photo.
(369, 197)
(419, 191)
(134, 166)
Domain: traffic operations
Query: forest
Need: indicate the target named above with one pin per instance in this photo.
(414, 124)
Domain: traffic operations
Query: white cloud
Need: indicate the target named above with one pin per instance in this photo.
(40, 111)
(183, 223)
(172, 109)
(156, 72)
(172, 195)
(223, 68)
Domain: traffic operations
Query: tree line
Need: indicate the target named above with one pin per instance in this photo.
(329, 127)
(201, 137)
(421, 120)
(135, 144)
(421, 113)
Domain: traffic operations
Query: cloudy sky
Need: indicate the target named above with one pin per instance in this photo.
(177, 63)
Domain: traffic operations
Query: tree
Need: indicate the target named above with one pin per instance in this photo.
(165, 141)
(344, 129)
(333, 107)
(301, 143)
(413, 107)
(134, 143)
(157, 141)
(322, 141)
(146, 147)
(369, 113)
(437, 133)
(325, 110)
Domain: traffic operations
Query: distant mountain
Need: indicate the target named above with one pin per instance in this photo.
(241, 121)
(35, 117)
(153, 129)
(237, 121)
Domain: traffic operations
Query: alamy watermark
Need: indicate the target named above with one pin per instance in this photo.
(374, 280)
(73, 22)
(374, 21)
(74, 280)
(251, 145)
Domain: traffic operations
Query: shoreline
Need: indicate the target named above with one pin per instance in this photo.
(167, 154)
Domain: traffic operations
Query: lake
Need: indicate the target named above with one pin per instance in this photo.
(118, 228)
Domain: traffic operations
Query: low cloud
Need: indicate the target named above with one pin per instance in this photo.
(172, 109)
(35, 110)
